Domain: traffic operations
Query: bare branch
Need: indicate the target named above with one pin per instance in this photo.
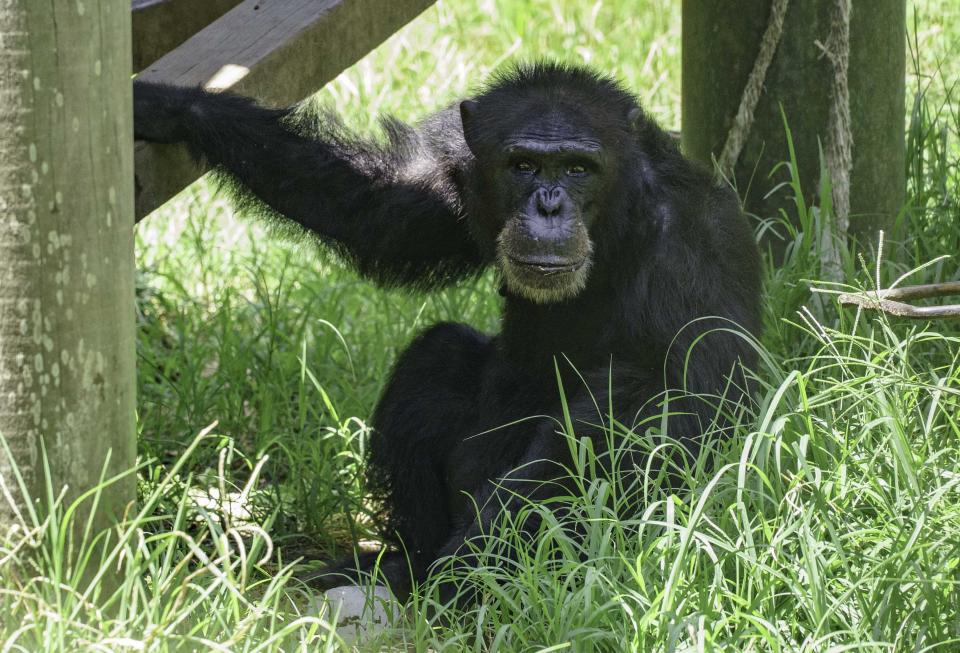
(885, 300)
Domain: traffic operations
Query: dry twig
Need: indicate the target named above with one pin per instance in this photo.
(885, 300)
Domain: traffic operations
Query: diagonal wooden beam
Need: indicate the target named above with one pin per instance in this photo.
(279, 51)
(161, 25)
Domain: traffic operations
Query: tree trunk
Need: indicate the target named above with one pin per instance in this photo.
(719, 47)
(66, 248)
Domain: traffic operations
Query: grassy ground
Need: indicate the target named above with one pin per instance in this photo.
(831, 521)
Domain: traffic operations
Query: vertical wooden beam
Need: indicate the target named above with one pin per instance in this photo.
(719, 48)
(66, 249)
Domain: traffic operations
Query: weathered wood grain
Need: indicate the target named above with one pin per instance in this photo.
(67, 339)
(159, 26)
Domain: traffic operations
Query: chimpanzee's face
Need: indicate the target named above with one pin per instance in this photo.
(546, 181)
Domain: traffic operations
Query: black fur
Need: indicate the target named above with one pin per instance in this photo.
(425, 207)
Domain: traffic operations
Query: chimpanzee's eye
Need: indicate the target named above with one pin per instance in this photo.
(576, 170)
(524, 166)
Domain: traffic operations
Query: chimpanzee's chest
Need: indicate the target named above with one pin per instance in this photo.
(512, 407)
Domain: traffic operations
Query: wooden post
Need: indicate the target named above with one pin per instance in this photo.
(720, 44)
(66, 249)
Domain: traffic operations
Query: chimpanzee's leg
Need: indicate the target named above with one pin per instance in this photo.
(428, 406)
(537, 460)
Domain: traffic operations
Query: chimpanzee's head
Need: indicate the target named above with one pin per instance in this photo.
(548, 149)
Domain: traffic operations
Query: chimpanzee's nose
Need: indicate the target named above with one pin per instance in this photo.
(549, 201)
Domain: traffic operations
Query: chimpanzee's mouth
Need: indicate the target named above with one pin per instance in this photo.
(548, 275)
(548, 265)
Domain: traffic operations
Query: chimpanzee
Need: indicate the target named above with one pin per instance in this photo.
(623, 267)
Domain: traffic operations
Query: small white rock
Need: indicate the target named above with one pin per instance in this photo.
(358, 610)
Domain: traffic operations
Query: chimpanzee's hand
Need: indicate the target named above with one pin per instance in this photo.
(160, 112)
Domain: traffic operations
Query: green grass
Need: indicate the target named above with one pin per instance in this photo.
(829, 521)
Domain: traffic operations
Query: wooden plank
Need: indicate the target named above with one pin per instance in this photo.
(159, 26)
(278, 51)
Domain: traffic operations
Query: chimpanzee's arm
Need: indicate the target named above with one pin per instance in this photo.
(393, 209)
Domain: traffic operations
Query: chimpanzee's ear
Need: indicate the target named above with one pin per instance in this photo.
(635, 118)
(468, 116)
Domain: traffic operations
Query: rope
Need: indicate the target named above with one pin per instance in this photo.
(743, 121)
(839, 154)
(839, 150)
